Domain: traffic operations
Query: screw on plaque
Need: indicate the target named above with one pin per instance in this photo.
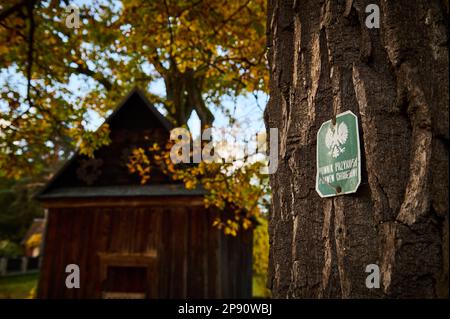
(338, 189)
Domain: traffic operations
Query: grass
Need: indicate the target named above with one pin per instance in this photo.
(17, 287)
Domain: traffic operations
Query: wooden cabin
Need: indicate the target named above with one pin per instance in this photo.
(131, 240)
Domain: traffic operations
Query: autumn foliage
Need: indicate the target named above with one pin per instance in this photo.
(241, 192)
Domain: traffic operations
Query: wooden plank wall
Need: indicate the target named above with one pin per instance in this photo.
(236, 264)
(194, 260)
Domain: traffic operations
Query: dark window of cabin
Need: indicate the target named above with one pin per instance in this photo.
(125, 282)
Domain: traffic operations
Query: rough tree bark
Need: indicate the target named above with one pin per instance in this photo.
(395, 79)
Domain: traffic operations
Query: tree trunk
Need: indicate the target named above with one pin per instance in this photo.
(323, 59)
(184, 94)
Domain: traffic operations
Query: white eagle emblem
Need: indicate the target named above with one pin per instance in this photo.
(336, 138)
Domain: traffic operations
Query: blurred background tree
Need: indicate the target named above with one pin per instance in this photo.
(58, 82)
(17, 211)
(54, 78)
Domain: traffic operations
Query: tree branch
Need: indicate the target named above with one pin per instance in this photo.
(96, 76)
(30, 9)
(169, 24)
(7, 12)
(218, 28)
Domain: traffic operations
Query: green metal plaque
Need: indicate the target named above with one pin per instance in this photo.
(338, 156)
